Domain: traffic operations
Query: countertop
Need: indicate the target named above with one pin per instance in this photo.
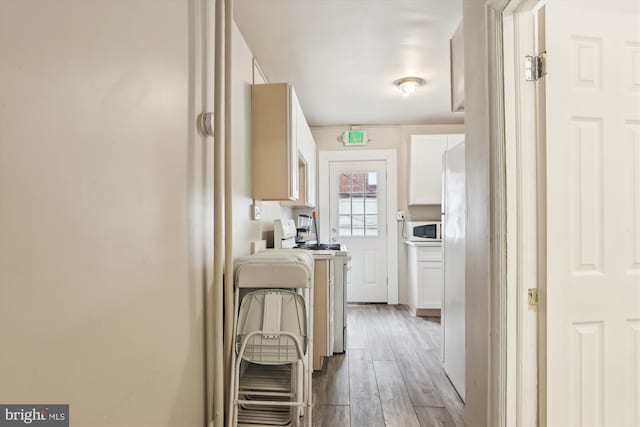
(437, 243)
(328, 254)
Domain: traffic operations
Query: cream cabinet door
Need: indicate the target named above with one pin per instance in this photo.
(429, 284)
(274, 134)
(295, 116)
(306, 153)
(312, 169)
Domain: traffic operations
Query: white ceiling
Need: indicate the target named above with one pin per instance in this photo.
(342, 56)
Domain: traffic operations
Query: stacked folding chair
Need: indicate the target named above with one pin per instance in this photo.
(272, 374)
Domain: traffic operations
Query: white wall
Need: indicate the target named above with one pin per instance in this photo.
(244, 230)
(395, 138)
(105, 208)
(478, 214)
(105, 211)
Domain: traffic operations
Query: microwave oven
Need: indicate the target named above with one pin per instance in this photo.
(423, 230)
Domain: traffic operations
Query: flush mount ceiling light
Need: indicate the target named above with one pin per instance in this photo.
(408, 85)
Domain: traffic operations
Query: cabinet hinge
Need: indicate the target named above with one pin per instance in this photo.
(535, 67)
(533, 298)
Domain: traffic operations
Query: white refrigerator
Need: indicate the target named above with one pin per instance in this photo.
(453, 246)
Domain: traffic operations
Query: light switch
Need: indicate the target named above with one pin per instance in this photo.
(256, 214)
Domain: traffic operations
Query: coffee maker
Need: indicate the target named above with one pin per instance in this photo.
(303, 227)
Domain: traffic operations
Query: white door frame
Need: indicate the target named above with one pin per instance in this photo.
(517, 182)
(390, 158)
(498, 302)
(501, 407)
(525, 219)
(516, 334)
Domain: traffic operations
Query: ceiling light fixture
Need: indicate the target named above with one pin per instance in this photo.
(408, 85)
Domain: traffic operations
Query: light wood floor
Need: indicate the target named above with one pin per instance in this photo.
(390, 375)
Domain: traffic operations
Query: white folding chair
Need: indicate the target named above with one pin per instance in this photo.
(271, 338)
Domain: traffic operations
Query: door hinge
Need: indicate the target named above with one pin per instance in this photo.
(535, 67)
(533, 298)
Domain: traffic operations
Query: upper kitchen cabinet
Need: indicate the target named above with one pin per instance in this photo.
(425, 167)
(274, 116)
(307, 150)
(306, 162)
(312, 159)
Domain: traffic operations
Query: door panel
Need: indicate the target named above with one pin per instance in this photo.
(359, 219)
(430, 284)
(593, 215)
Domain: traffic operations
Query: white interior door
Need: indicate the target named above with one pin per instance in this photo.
(593, 215)
(358, 218)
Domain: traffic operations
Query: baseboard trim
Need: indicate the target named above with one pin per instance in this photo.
(428, 312)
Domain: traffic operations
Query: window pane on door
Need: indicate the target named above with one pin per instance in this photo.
(358, 182)
(358, 204)
(344, 202)
(345, 225)
(371, 225)
(357, 225)
(371, 206)
(372, 181)
(345, 183)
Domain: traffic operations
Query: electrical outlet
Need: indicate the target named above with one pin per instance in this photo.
(256, 213)
(400, 215)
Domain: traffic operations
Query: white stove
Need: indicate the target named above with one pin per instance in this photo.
(284, 236)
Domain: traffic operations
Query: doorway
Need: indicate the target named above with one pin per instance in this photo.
(357, 204)
(357, 210)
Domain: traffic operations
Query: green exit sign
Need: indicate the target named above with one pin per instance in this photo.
(354, 137)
